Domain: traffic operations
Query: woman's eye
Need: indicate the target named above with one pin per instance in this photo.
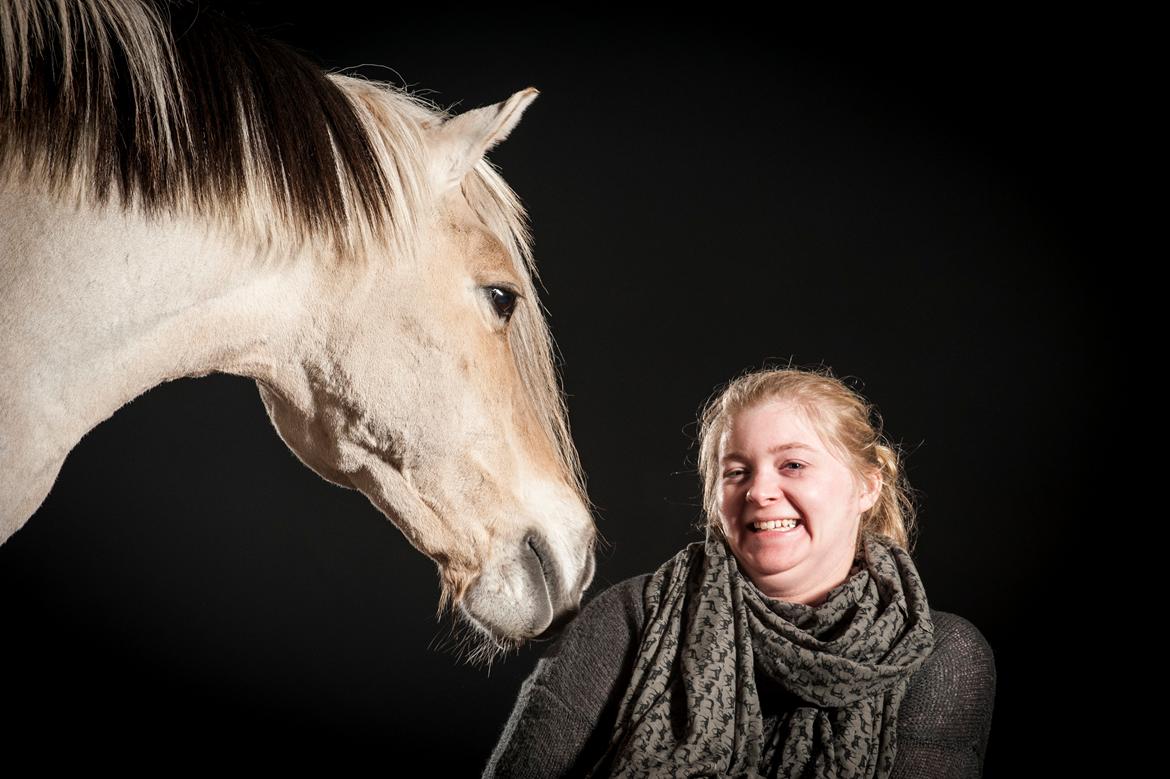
(503, 301)
(793, 466)
(733, 473)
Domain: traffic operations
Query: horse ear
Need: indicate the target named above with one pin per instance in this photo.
(462, 140)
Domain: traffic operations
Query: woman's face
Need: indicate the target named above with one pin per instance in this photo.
(774, 468)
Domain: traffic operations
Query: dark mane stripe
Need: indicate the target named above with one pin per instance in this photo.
(172, 104)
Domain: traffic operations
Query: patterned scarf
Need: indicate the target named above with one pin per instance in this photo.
(692, 707)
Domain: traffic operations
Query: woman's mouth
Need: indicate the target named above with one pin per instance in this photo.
(781, 525)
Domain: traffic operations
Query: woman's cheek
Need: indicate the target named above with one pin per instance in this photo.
(728, 506)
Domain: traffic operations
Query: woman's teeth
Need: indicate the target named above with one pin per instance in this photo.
(776, 524)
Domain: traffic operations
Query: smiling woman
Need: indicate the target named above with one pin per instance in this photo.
(797, 640)
(789, 509)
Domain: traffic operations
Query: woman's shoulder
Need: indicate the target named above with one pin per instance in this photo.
(565, 710)
(592, 649)
(951, 696)
(962, 657)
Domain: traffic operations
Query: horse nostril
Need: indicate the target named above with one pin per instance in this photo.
(534, 546)
(540, 548)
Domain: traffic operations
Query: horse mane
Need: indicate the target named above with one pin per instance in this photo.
(172, 108)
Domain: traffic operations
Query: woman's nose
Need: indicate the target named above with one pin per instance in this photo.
(763, 490)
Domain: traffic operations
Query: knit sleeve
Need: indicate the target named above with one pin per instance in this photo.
(945, 719)
(565, 711)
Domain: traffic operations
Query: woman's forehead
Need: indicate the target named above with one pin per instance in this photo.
(772, 424)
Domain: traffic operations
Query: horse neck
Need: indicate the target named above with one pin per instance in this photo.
(99, 305)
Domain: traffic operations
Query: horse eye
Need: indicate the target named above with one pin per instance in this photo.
(503, 301)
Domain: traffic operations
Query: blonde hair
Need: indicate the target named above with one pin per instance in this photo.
(845, 421)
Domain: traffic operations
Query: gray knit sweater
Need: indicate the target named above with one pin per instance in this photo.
(565, 713)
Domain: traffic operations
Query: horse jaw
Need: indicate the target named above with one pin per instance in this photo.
(510, 589)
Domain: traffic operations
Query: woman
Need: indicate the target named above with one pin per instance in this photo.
(795, 641)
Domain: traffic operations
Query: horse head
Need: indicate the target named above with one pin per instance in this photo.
(434, 394)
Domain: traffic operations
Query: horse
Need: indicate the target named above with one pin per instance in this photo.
(180, 196)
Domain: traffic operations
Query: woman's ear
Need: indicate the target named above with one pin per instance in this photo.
(871, 490)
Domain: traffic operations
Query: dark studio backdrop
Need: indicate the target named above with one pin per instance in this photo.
(706, 195)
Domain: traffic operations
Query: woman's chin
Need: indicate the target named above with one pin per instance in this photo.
(770, 553)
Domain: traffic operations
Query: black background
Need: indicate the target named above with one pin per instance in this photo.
(707, 194)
